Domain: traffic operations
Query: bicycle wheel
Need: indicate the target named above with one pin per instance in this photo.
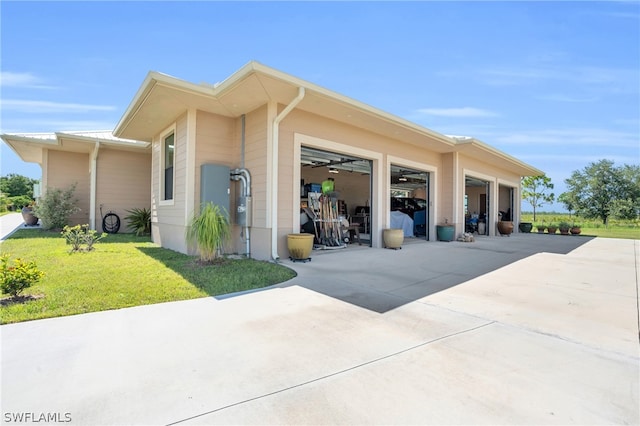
(111, 223)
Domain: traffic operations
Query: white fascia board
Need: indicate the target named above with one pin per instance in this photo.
(106, 141)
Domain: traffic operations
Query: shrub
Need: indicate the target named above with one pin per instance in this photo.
(79, 235)
(209, 231)
(55, 207)
(139, 220)
(14, 279)
(20, 201)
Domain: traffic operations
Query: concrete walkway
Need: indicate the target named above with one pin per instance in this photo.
(435, 333)
(10, 223)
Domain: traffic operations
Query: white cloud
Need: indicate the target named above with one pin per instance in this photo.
(22, 80)
(41, 107)
(458, 112)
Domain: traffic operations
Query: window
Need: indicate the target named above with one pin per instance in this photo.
(168, 155)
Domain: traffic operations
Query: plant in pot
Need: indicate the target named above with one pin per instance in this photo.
(552, 228)
(540, 227)
(208, 231)
(525, 227)
(564, 228)
(445, 231)
(575, 229)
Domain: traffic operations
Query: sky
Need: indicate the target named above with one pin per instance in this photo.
(554, 84)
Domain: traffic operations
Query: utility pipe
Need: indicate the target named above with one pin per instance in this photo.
(244, 176)
(274, 170)
(93, 168)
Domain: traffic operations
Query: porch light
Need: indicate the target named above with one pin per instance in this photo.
(333, 170)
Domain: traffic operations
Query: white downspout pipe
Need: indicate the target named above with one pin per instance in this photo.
(93, 168)
(274, 165)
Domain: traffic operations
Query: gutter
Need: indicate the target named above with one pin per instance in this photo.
(274, 168)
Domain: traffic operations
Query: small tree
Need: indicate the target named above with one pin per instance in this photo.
(55, 207)
(209, 231)
(535, 190)
(15, 278)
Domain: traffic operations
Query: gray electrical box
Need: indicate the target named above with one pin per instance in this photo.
(243, 211)
(215, 185)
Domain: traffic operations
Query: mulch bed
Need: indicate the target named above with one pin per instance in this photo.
(8, 301)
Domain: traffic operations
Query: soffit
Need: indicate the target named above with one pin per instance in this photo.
(162, 99)
(482, 152)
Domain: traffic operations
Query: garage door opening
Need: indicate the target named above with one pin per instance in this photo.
(476, 205)
(349, 216)
(409, 189)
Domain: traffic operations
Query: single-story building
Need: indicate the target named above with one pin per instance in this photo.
(262, 141)
(110, 174)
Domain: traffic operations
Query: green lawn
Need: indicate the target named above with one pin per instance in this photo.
(123, 271)
(627, 229)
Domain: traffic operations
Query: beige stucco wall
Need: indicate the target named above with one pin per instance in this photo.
(203, 137)
(500, 181)
(384, 152)
(64, 169)
(123, 182)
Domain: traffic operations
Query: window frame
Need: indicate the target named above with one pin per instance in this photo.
(162, 174)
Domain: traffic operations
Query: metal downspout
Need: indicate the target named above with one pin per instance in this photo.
(274, 166)
(93, 168)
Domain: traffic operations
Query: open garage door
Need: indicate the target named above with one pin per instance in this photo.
(351, 177)
(409, 189)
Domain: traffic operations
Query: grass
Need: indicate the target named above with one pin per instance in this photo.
(123, 271)
(626, 229)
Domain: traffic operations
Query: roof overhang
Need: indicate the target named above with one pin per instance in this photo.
(161, 99)
(29, 146)
(481, 151)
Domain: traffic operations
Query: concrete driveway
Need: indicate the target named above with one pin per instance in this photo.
(430, 334)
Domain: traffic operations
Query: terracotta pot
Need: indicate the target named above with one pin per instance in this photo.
(393, 238)
(505, 227)
(551, 229)
(300, 245)
(575, 230)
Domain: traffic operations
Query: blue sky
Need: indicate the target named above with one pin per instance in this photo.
(555, 84)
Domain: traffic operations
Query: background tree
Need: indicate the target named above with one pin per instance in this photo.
(602, 190)
(536, 190)
(13, 185)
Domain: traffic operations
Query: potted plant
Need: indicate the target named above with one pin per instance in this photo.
(29, 218)
(525, 227)
(575, 229)
(564, 228)
(552, 228)
(208, 230)
(445, 231)
(540, 228)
